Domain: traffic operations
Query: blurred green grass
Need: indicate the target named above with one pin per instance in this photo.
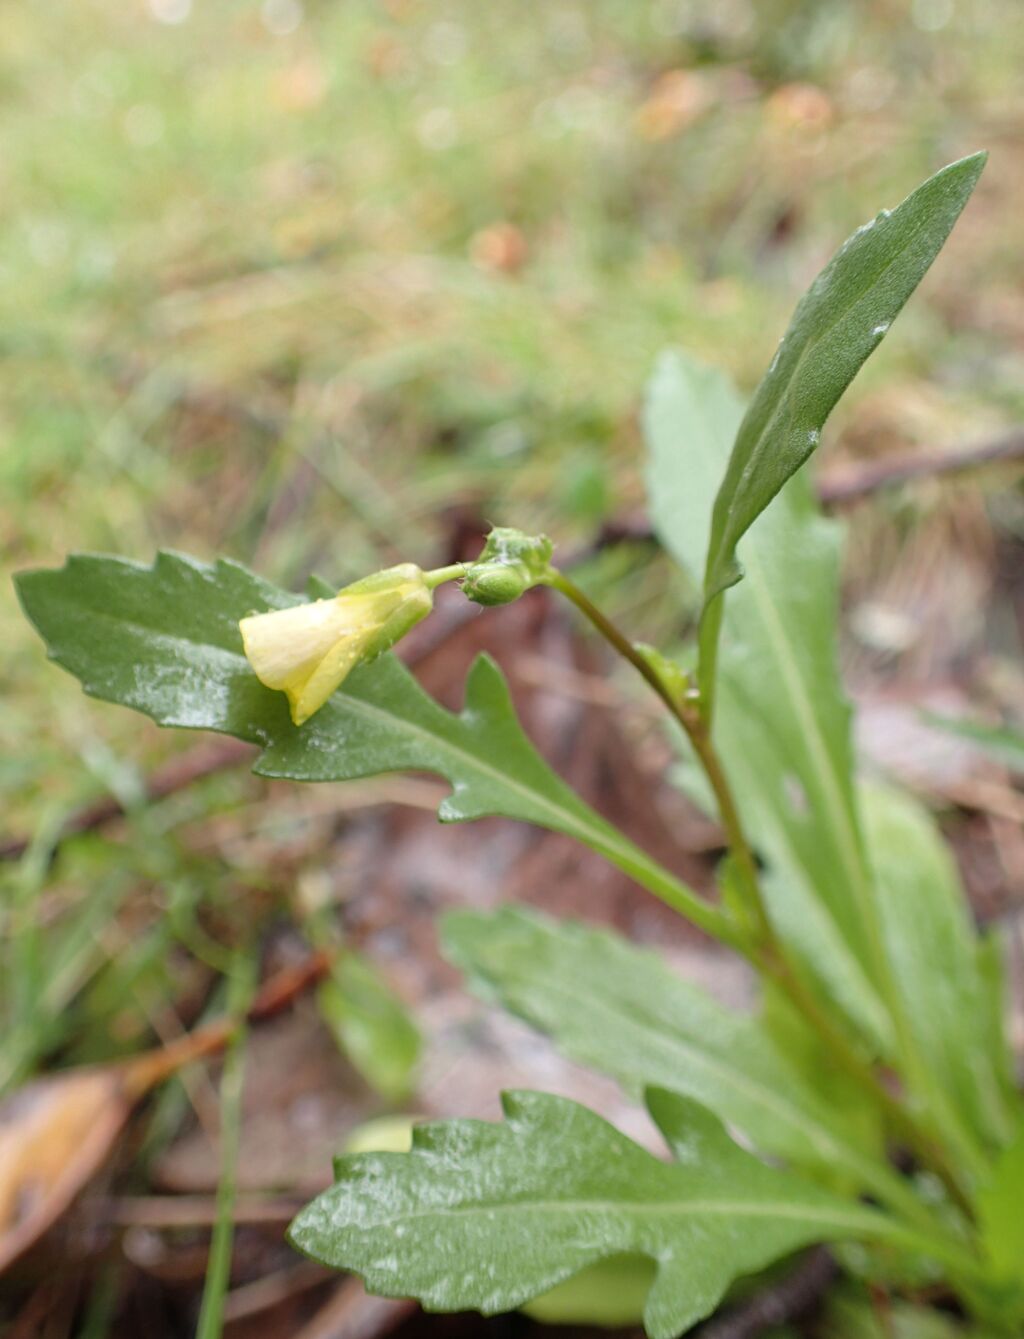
(290, 281)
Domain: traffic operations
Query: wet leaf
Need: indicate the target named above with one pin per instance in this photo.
(487, 1216)
(621, 1010)
(164, 640)
(837, 325)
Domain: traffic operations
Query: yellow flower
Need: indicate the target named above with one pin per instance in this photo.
(307, 651)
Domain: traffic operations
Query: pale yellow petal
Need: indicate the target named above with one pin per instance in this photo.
(307, 651)
(286, 645)
(329, 674)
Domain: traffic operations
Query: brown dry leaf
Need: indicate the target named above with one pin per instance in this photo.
(54, 1135)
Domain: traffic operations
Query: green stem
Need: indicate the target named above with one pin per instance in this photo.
(767, 953)
(689, 718)
(639, 866)
(708, 918)
(440, 575)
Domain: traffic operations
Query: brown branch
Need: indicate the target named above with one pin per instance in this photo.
(838, 487)
(851, 484)
(794, 1296)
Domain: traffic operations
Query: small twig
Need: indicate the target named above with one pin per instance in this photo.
(251, 1300)
(144, 1071)
(791, 1298)
(857, 482)
(843, 487)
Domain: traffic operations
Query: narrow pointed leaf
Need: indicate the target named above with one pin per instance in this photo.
(1000, 742)
(838, 323)
(485, 1217)
(164, 640)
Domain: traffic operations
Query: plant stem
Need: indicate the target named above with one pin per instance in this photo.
(696, 729)
(440, 575)
(766, 952)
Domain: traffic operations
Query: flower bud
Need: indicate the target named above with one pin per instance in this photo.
(490, 585)
(307, 651)
(509, 564)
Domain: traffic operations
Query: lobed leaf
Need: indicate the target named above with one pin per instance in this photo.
(164, 640)
(487, 1216)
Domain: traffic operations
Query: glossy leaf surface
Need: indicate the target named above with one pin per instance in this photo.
(838, 323)
(164, 640)
(486, 1216)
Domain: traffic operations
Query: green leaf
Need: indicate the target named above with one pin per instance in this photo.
(373, 1026)
(838, 323)
(931, 944)
(782, 730)
(165, 641)
(782, 726)
(1001, 1218)
(610, 1293)
(485, 1217)
(621, 1010)
(992, 952)
(691, 415)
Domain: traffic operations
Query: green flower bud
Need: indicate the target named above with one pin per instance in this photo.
(493, 583)
(510, 563)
